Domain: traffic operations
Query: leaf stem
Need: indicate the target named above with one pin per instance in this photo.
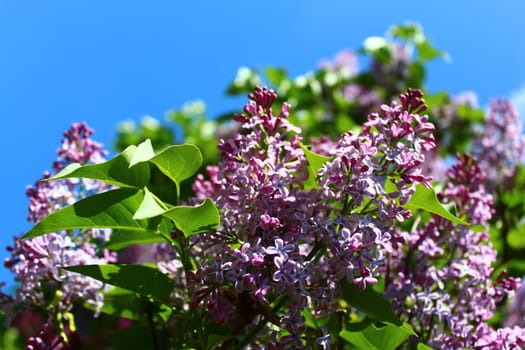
(152, 329)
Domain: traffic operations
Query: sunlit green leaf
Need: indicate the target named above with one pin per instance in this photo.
(425, 198)
(426, 52)
(116, 171)
(407, 32)
(143, 153)
(149, 207)
(315, 162)
(195, 220)
(178, 162)
(113, 209)
(374, 337)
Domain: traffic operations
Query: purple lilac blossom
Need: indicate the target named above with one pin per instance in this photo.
(288, 241)
(37, 262)
(441, 281)
(344, 62)
(501, 146)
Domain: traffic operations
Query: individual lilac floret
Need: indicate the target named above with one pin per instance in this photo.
(442, 282)
(37, 262)
(298, 243)
(501, 145)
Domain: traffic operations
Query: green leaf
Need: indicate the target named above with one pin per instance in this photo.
(120, 302)
(516, 237)
(373, 337)
(121, 239)
(358, 339)
(421, 346)
(163, 187)
(416, 75)
(149, 207)
(309, 319)
(371, 303)
(425, 198)
(143, 280)
(142, 153)
(379, 48)
(407, 32)
(116, 171)
(471, 114)
(315, 162)
(426, 52)
(113, 209)
(195, 220)
(178, 162)
(275, 75)
(514, 267)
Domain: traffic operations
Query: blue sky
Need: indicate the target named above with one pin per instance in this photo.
(103, 62)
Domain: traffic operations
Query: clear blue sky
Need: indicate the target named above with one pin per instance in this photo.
(106, 61)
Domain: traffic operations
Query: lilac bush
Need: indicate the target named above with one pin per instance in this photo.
(298, 227)
(350, 232)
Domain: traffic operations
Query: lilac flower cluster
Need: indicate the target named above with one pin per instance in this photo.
(259, 190)
(501, 145)
(37, 262)
(441, 281)
(281, 240)
(391, 147)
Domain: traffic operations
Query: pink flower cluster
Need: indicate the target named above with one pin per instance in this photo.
(281, 240)
(500, 146)
(37, 262)
(441, 280)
